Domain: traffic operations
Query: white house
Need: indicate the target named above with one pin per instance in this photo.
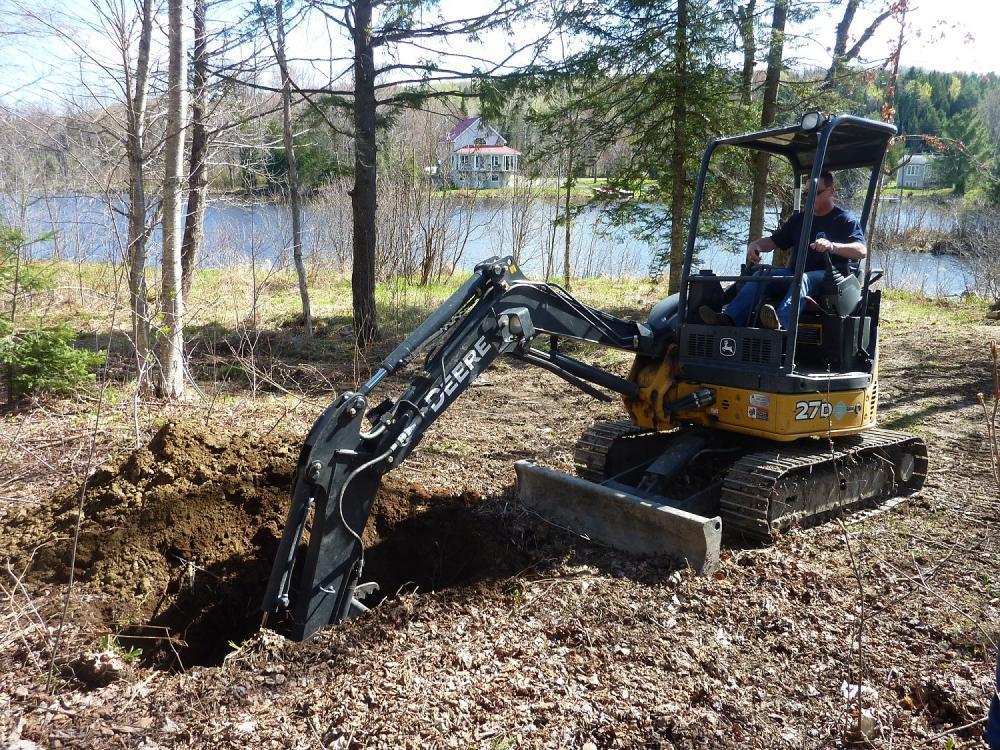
(916, 172)
(479, 156)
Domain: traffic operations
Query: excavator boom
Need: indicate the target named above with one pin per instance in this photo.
(496, 312)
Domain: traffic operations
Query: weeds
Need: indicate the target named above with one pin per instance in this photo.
(111, 644)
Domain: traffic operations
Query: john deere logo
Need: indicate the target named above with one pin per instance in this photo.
(727, 347)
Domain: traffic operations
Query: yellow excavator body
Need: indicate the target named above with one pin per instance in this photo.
(780, 417)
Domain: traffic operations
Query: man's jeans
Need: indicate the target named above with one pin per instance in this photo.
(744, 302)
(992, 734)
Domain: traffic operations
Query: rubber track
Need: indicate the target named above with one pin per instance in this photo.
(591, 452)
(748, 485)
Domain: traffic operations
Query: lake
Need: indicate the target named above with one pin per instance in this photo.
(87, 230)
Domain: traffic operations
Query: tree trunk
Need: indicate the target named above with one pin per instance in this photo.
(293, 169)
(137, 231)
(363, 203)
(841, 54)
(194, 219)
(172, 341)
(678, 149)
(745, 26)
(567, 227)
(840, 43)
(769, 108)
(888, 114)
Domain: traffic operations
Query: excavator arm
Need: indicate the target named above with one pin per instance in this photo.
(496, 312)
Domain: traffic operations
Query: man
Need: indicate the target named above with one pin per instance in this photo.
(834, 231)
(992, 734)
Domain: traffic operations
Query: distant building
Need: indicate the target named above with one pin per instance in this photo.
(916, 172)
(479, 156)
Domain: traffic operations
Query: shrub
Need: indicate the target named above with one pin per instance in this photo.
(35, 359)
(42, 360)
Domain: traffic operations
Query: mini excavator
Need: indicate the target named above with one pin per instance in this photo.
(746, 427)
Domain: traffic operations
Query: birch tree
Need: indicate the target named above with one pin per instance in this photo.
(171, 384)
(293, 168)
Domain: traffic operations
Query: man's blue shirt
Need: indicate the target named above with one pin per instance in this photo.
(838, 226)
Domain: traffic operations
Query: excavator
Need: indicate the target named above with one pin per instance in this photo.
(746, 428)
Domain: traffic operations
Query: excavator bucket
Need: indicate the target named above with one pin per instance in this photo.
(620, 519)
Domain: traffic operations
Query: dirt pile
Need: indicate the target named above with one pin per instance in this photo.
(178, 538)
(177, 541)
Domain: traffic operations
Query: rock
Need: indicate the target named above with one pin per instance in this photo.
(98, 669)
(867, 725)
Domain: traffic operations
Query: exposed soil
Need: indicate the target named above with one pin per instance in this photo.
(499, 631)
(178, 539)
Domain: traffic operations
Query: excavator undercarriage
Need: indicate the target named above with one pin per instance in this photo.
(758, 494)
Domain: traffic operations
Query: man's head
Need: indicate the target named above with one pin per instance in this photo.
(825, 192)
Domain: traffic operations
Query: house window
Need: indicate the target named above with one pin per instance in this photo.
(509, 164)
(480, 162)
(495, 162)
(465, 161)
(480, 141)
(495, 177)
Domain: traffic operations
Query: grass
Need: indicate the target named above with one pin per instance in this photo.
(908, 308)
(226, 299)
(548, 187)
(236, 308)
(226, 296)
(936, 192)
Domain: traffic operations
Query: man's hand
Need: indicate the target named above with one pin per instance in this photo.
(822, 245)
(755, 248)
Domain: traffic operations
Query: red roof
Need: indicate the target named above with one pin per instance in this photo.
(459, 128)
(504, 150)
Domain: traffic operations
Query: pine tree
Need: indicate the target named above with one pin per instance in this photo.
(964, 152)
(651, 74)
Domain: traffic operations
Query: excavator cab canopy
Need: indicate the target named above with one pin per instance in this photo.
(851, 142)
(838, 344)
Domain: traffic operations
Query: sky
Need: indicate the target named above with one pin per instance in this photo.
(947, 35)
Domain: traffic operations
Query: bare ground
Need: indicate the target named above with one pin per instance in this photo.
(501, 632)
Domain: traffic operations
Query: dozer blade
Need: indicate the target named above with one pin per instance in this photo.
(624, 521)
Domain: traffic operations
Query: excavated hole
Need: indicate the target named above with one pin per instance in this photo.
(178, 541)
(416, 542)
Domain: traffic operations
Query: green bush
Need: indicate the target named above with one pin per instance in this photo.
(35, 359)
(42, 360)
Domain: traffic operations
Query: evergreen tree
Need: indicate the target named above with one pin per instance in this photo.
(964, 152)
(651, 73)
(34, 359)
